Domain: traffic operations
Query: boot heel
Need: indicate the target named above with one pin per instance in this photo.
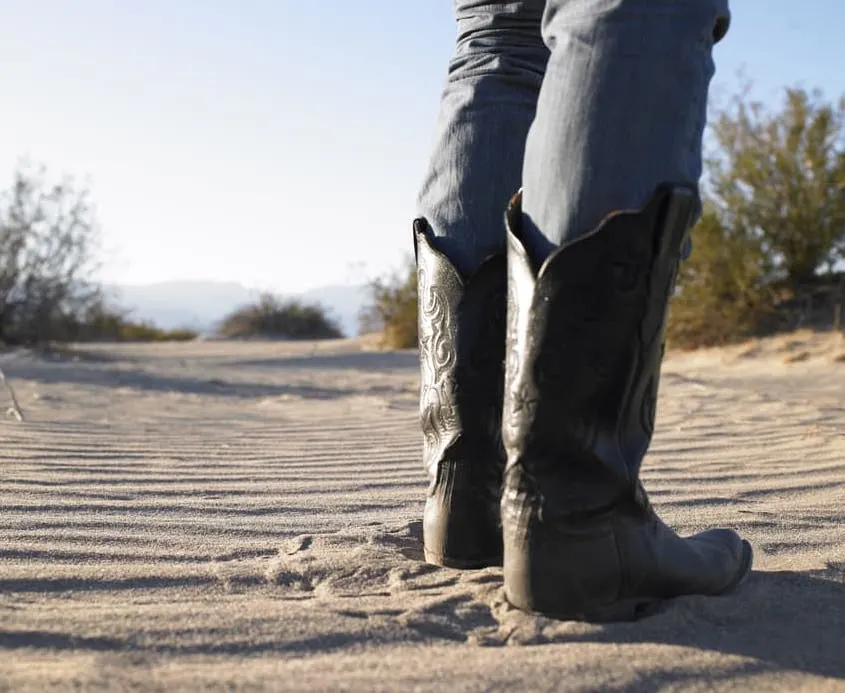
(458, 530)
(572, 573)
(446, 561)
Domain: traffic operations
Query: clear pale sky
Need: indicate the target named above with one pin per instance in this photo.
(280, 143)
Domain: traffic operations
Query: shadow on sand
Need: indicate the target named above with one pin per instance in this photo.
(788, 621)
(366, 361)
(99, 374)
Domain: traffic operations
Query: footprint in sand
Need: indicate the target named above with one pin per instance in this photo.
(349, 563)
(373, 570)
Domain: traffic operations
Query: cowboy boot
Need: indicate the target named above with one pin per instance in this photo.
(585, 345)
(461, 344)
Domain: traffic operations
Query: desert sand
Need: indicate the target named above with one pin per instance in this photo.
(245, 516)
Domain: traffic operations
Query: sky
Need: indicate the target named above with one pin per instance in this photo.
(280, 144)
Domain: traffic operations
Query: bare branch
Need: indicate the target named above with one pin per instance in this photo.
(15, 409)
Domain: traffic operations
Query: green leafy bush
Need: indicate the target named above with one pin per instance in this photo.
(773, 232)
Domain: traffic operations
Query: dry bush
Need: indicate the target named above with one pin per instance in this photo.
(272, 317)
(393, 309)
(103, 324)
(49, 240)
(722, 294)
(780, 173)
(48, 245)
(773, 231)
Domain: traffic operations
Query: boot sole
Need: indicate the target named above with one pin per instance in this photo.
(624, 610)
(462, 563)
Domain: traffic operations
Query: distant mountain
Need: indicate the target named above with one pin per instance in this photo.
(200, 305)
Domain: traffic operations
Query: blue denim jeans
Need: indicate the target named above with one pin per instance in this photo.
(587, 105)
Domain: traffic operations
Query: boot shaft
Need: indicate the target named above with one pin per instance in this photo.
(585, 343)
(461, 343)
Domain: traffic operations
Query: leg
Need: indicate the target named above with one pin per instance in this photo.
(611, 173)
(622, 109)
(487, 107)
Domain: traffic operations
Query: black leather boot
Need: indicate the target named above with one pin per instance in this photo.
(462, 346)
(585, 345)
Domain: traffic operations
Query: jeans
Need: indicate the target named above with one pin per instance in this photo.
(588, 105)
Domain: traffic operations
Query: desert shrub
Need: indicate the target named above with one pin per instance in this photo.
(773, 230)
(780, 174)
(48, 246)
(722, 292)
(177, 334)
(272, 317)
(100, 323)
(146, 332)
(392, 309)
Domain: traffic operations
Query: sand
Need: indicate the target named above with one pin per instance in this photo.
(241, 517)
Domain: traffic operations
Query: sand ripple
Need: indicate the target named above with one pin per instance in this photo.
(246, 516)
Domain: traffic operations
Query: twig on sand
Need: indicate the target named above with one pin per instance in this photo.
(15, 409)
